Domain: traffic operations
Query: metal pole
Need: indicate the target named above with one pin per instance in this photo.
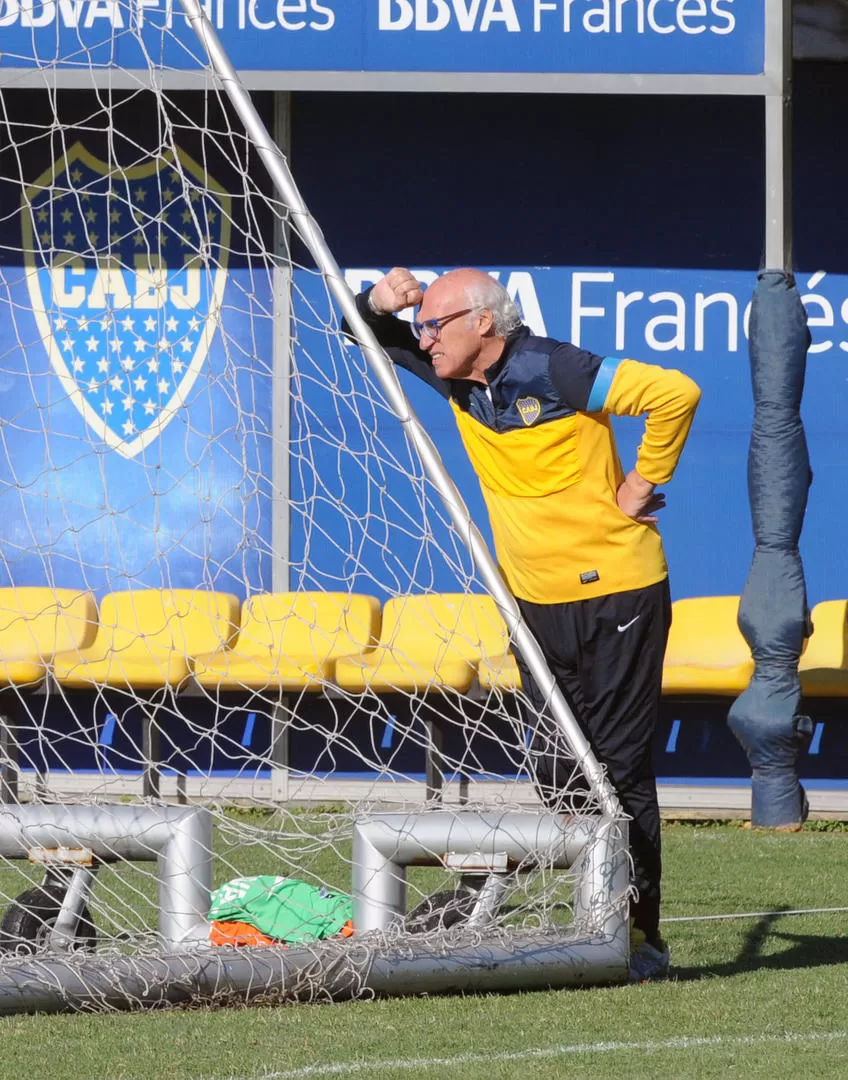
(384, 371)
(778, 137)
(338, 971)
(281, 378)
(178, 837)
(384, 845)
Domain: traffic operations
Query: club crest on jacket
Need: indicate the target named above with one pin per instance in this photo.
(529, 409)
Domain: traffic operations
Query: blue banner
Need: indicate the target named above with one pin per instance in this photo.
(713, 37)
(137, 339)
(693, 320)
(133, 379)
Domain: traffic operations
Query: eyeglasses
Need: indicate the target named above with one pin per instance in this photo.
(433, 327)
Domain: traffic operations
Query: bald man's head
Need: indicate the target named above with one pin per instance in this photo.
(474, 314)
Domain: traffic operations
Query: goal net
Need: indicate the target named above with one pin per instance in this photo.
(245, 647)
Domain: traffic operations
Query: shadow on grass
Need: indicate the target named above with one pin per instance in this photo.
(803, 951)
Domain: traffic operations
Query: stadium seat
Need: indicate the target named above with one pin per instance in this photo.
(35, 624)
(706, 652)
(824, 663)
(144, 643)
(291, 641)
(146, 638)
(428, 642)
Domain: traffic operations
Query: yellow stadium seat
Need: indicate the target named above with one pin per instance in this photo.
(35, 624)
(824, 663)
(428, 642)
(706, 652)
(146, 637)
(291, 641)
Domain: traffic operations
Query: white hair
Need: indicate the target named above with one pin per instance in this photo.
(488, 293)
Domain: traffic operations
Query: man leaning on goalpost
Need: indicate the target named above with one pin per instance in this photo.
(576, 539)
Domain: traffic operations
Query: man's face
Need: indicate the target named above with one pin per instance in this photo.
(455, 343)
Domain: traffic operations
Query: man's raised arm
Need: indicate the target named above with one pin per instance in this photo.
(395, 292)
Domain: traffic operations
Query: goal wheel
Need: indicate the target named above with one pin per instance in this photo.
(442, 909)
(30, 918)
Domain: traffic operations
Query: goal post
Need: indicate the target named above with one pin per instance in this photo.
(305, 226)
(361, 733)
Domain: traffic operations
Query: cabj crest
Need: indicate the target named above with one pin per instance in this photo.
(529, 409)
(126, 270)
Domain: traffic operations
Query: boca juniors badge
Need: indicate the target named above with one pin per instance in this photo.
(529, 409)
(126, 269)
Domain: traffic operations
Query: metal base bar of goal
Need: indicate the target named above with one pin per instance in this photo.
(177, 838)
(380, 959)
(594, 948)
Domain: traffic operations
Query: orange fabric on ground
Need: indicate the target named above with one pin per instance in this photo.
(238, 933)
(242, 933)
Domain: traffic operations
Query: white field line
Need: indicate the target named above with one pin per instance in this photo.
(754, 914)
(685, 1042)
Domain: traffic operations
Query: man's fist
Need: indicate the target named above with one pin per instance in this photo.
(396, 291)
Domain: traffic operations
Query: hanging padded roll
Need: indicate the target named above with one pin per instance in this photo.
(773, 613)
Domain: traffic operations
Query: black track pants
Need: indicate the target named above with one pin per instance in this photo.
(606, 655)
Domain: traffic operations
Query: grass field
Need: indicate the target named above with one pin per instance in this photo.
(765, 995)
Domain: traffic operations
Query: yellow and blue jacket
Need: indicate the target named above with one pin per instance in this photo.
(539, 438)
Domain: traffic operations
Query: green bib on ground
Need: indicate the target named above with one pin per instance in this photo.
(282, 908)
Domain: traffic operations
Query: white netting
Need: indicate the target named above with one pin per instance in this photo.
(186, 432)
